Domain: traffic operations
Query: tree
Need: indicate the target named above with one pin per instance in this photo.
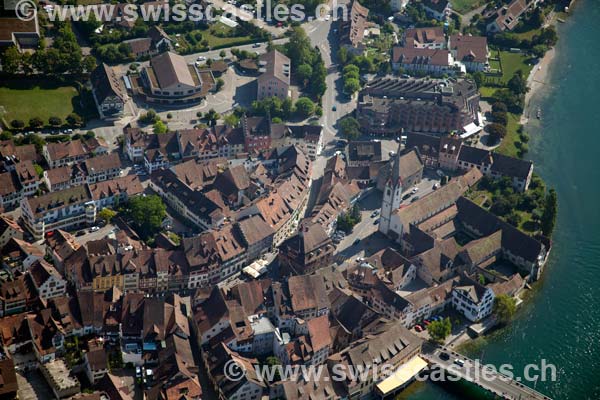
(514, 219)
(439, 330)
(159, 127)
(539, 50)
(147, 214)
(479, 78)
(499, 107)
(549, 215)
(36, 122)
(220, 84)
(517, 84)
(11, 60)
(351, 86)
(17, 124)
(107, 214)
(500, 117)
(150, 117)
(55, 121)
(304, 73)
(305, 107)
(222, 54)
(74, 119)
(38, 170)
(349, 127)
(211, 117)
(231, 120)
(89, 63)
(504, 308)
(298, 48)
(343, 55)
(498, 131)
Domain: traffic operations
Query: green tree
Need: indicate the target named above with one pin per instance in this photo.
(222, 54)
(38, 170)
(351, 86)
(549, 215)
(504, 308)
(159, 127)
(17, 124)
(211, 117)
(479, 78)
(518, 84)
(497, 131)
(147, 214)
(220, 83)
(231, 120)
(439, 330)
(107, 214)
(305, 107)
(11, 60)
(55, 121)
(350, 128)
(36, 122)
(74, 119)
(89, 63)
(304, 73)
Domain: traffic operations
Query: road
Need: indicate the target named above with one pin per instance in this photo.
(473, 371)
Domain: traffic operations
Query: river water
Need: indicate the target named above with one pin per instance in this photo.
(560, 321)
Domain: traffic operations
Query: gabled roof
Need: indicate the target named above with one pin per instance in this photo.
(106, 83)
(276, 65)
(171, 69)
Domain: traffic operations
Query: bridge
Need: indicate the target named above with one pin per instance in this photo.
(489, 379)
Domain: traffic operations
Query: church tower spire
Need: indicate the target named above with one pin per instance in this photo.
(392, 194)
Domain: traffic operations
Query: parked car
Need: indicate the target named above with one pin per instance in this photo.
(418, 328)
(201, 58)
(414, 199)
(415, 190)
(374, 213)
(256, 45)
(94, 228)
(444, 356)
(440, 173)
(406, 196)
(435, 186)
(376, 222)
(356, 241)
(459, 362)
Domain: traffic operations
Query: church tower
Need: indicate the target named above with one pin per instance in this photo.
(392, 195)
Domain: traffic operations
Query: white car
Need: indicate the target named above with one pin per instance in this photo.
(201, 58)
(415, 190)
(94, 228)
(327, 17)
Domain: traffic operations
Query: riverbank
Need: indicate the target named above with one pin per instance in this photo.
(537, 80)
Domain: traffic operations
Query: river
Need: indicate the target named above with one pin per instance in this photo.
(560, 321)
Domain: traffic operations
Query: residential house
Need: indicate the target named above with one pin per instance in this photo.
(472, 51)
(423, 60)
(64, 209)
(108, 91)
(64, 177)
(65, 153)
(9, 229)
(352, 30)
(425, 38)
(28, 177)
(508, 16)
(48, 282)
(472, 299)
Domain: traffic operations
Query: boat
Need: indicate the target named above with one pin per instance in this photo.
(538, 114)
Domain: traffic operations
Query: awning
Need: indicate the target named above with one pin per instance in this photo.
(470, 130)
(402, 376)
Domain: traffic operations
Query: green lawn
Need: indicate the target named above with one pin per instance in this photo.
(24, 101)
(218, 35)
(487, 91)
(512, 62)
(463, 6)
(508, 146)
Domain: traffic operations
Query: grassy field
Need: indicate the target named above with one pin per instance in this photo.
(22, 100)
(512, 62)
(487, 91)
(508, 146)
(464, 6)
